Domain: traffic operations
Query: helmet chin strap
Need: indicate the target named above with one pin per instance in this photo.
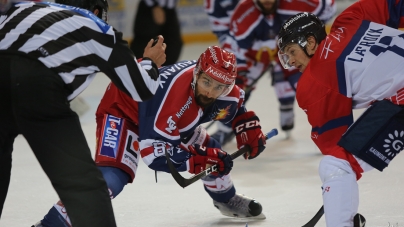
(307, 54)
(305, 51)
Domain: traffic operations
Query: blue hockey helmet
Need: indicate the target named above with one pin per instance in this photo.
(91, 5)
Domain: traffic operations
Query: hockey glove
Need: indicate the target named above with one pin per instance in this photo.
(248, 132)
(203, 157)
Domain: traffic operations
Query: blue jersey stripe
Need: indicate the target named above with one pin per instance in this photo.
(341, 59)
(335, 123)
(396, 11)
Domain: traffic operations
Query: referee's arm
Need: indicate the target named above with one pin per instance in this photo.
(138, 80)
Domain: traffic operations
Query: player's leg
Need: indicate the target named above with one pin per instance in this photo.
(118, 156)
(54, 133)
(340, 191)
(57, 216)
(286, 97)
(225, 198)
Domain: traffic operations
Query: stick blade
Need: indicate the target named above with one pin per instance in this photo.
(316, 218)
(176, 175)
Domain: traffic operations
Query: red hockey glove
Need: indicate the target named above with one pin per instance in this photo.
(203, 157)
(248, 132)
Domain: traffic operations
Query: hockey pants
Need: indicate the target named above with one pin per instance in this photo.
(340, 190)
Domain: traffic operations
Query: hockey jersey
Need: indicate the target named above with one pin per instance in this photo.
(360, 61)
(171, 115)
(254, 34)
(219, 13)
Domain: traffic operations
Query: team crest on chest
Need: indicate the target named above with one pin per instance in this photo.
(221, 114)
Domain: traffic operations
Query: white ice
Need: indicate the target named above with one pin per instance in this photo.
(283, 179)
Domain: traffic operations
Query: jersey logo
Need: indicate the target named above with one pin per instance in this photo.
(184, 108)
(222, 113)
(171, 125)
(111, 136)
(394, 144)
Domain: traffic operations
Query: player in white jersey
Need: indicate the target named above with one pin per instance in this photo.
(359, 64)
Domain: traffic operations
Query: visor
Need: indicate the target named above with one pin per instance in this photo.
(284, 59)
(282, 43)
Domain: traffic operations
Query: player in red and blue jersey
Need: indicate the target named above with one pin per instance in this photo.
(191, 93)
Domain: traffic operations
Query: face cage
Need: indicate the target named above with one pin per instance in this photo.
(283, 57)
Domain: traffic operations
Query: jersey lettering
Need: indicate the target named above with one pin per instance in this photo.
(247, 125)
(111, 136)
(368, 40)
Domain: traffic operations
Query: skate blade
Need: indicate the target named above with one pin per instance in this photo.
(258, 217)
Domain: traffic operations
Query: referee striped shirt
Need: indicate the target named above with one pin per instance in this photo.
(76, 44)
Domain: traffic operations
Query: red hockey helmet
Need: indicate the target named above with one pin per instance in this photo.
(219, 64)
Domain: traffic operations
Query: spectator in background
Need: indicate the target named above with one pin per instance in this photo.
(155, 18)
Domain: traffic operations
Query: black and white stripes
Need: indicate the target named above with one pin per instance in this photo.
(76, 44)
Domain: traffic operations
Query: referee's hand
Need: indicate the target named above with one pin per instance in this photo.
(156, 52)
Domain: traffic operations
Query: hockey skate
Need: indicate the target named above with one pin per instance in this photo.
(359, 220)
(240, 206)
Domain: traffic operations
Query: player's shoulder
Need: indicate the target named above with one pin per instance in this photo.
(177, 68)
(246, 13)
(245, 16)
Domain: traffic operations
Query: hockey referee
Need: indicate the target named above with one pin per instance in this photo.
(49, 53)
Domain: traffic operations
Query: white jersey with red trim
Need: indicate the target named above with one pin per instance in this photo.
(171, 115)
(360, 61)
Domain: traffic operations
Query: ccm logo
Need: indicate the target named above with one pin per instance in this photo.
(247, 125)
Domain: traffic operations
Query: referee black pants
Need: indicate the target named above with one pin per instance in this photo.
(33, 102)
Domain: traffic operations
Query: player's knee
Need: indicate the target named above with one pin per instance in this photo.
(332, 168)
(115, 178)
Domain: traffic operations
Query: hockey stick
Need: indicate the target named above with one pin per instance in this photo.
(184, 182)
(247, 89)
(316, 218)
